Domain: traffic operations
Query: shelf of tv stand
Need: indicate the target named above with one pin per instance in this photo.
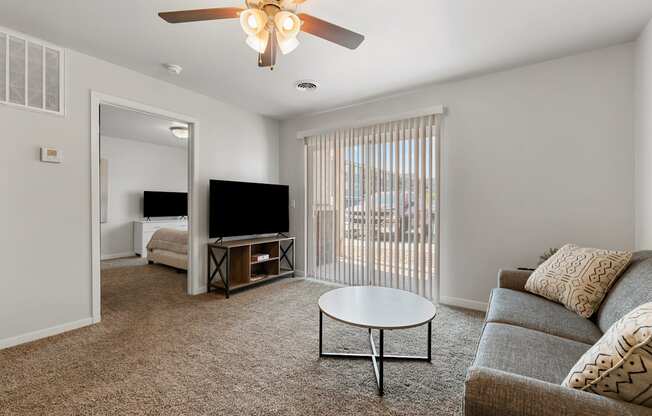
(266, 260)
(237, 269)
(251, 283)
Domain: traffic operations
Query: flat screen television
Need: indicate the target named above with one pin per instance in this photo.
(165, 204)
(244, 208)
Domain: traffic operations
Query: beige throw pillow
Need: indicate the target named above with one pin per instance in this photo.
(578, 278)
(619, 365)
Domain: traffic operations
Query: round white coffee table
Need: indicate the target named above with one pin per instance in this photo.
(377, 308)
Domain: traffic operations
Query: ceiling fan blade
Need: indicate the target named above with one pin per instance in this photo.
(184, 16)
(330, 32)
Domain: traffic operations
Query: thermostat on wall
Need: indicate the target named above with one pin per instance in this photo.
(50, 155)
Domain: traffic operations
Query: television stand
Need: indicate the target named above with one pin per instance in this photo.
(231, 265)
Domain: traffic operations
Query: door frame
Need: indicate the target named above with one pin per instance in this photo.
(194, 268)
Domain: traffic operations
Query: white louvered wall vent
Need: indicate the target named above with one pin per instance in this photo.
(31, 73)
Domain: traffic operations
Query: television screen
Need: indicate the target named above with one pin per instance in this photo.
(165, 204)
(242, 208)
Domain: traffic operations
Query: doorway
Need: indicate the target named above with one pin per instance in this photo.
(130, 200)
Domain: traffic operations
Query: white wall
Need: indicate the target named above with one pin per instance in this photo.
(531, 158)
(134, 167)
(45, 210)
(643, 139)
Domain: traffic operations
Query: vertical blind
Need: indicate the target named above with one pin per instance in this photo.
(373, 209)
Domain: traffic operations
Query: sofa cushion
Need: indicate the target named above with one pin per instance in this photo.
(527, 352)
(533, 312)
(619, 365)
(633, 289)
(578, 278)
(489, 392)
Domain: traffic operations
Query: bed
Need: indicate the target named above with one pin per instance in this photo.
(169, 247)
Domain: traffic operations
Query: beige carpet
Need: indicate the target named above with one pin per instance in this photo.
(123, 262)
(160, 352)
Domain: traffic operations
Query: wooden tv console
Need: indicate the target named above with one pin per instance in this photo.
(230, 264)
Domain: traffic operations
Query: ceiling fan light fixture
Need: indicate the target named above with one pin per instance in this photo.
(259, 41)
(286, 45)
(253, 21)
(287, 23)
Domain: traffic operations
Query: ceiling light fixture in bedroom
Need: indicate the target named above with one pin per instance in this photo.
(180, 132)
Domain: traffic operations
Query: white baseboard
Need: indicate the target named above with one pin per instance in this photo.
(299, 273)
(463, 303)
(324, 282)
(199, 290)
(116, 256)
(444, 300)
(44, 333)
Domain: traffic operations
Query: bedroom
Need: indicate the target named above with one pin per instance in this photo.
(143, 193)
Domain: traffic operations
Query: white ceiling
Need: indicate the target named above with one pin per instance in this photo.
(408, 43)
(132, 125)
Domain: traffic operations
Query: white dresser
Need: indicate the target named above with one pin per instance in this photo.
(144, 230)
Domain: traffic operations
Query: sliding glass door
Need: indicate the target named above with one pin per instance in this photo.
(373, 206)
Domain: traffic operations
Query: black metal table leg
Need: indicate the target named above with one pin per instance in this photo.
(321, 323)
(213, 260)
(208, 268)
(429, 341)
(374, 363)
(377, 358)
(293, 258)
(227, 281)
(380, 363)
(284, 255)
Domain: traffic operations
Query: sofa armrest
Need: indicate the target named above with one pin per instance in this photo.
(513, 279)
(489, 392)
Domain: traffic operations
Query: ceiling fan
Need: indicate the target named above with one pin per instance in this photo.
(271, 25)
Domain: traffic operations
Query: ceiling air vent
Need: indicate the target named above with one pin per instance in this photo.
(307, 85)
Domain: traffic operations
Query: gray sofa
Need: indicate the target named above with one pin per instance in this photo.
(529, 344)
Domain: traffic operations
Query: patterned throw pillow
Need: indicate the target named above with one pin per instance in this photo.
(619, 365)
(578, 278)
